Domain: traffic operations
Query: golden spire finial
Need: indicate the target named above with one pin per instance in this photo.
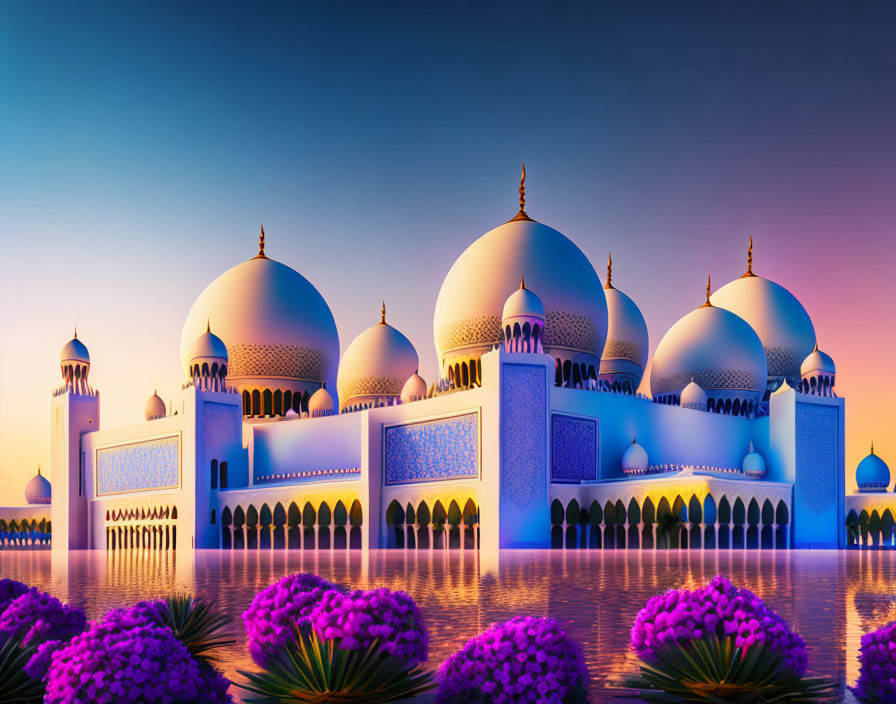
(38, 469)
(76, 332)
(522, 214)
(708, 290)
(609, 283)
(208, 324)
(872, 447)
(749, 260)
(522, 281)
(261, 254)
(383, 314)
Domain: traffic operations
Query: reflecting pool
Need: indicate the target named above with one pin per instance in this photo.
(830, 598)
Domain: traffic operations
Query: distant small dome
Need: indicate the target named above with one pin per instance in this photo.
(753, 464)
(693, 396)
(208, 346)
(37, 490)
(872, 474)
(818, 362)
(375, 365)
(320, 402)
(291, 414)
(74, 351)
(634, 459)
(155, 407)
(414, 388)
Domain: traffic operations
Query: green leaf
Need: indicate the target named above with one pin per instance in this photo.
(197, 625)
(312, 670)
(15, 686)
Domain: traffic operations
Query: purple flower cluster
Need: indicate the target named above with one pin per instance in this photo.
(877, 666)
(10, 589)
(720, 610)
(359, 618)
(37, 617)
(525, 659)
(278, 610)
(122, 659)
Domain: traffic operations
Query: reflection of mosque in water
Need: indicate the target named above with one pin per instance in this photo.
(533, 435)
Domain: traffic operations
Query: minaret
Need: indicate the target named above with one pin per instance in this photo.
(76, 411)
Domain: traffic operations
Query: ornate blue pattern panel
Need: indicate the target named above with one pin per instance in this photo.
(573, 449)
(154, 464)
(433, 450)
(221, 428)
(817, 458)
(523, 433)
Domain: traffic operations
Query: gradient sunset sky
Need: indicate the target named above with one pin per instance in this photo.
(142, 144)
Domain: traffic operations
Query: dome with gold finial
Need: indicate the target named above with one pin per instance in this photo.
(414, 388)
(74, 363)
(320, 403)
(38, 490)
(278, 330)
(154, 407)
(872, 473)
(467, 319)
(522, 320)
(634, 459)
(777, 316)
(375, 366)
(625, 354)
(716, 349)
(818, 373)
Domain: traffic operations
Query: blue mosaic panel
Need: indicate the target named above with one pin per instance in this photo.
(434, 450)
(154, 464)
(573, 449)
(817, 457)
(523, 432)
(221, 428)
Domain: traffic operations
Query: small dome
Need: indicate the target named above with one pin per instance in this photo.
(715, 348)
(693, 396)
(74, 351)
(155, 407)
(291, 414)
(414, 388)
(753, 464)
(872, 474)
(37, 490)
(818, 362)
(523, 303)
(320, 402)
(634, 459)
(375, 365)
(208, 346)
(625, 354)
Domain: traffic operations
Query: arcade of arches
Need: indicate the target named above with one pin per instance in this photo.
(22, 532)
(144, 527)
(875, 528)
(313, 527)
(675, 523)
(410, 527)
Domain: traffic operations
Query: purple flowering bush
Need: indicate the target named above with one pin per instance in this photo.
(720, 643)
(359, 618)
(525, 659)
(718, 610)
(10, 589)
(123, 659)
(279, 610)
(37, 617)
(877, 666)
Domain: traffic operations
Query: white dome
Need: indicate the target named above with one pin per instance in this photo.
(783, 325)
(716, 349)
(155, 407)
(818, 363)
(627, 339)
(523, 303)
(753, 464)
(273, 322)
(74, 351)
(376, 364)
(320, 402)
(291, 413)
(467, 320)
(693, 396)
(208, 346)
(414, 388)
(634, 459)
(38, 490)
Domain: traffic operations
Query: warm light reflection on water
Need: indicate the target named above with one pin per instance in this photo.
(830, 598)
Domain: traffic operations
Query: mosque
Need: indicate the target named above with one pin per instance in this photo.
(533, 436)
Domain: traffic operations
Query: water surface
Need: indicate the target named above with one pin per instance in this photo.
(830, 598)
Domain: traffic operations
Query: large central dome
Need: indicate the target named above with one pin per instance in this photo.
(278, 330)
(467, 320)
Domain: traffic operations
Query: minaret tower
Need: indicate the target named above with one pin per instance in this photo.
(76, 410)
